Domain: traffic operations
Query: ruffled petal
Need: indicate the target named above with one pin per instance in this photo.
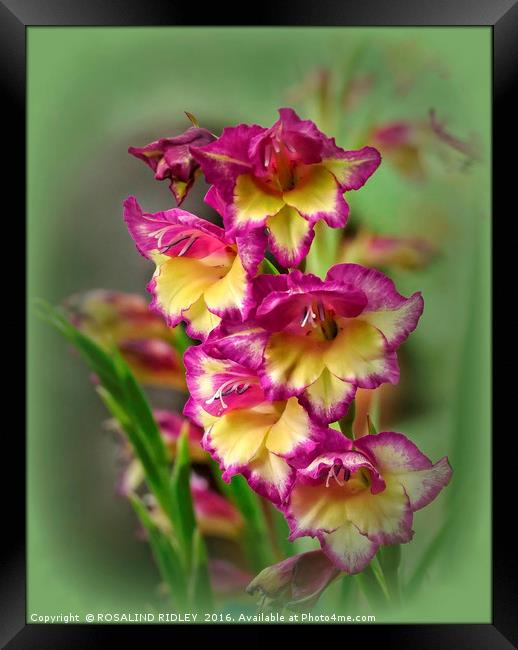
(290, 236)
(253, 202)
(290, 364)
(398, 457)
(328, 398)
(232, 295)
(385, 517)
(352, 168)
(348, 549)
(200, 321)
(316, 196)
(225, 159)
(178, 283)
(236, 437)
(359, 355)
(220, 385)
(393, 314)
(172, 232)
(292, 430)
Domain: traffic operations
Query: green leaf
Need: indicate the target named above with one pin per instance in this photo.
(183, 513)
(166, 557)
(200, 588)
(125, 400)
(372, 429)
(269, 268)
(257, 543)
(390, 559)
(376, 569)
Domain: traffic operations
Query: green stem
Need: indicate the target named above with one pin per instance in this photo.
(346, 423)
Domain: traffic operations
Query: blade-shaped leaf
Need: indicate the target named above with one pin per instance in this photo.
(183, 513)
(166, 556)
(200, 588)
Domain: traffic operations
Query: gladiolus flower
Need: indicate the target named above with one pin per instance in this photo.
(244, 431)
(170, 158)
(356, 497)
(126, 321)
(284, 179)
(296, 581)
(199, 277)
(322, 339)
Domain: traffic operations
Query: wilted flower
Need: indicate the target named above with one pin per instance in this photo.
(126, 321)
(384, 252)
(170, 158)
(244, 431)
(295, 582)
(199, 277)
(284, 178)
(408, 144)
(356, 497)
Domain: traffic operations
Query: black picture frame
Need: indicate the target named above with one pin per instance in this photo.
(15, 16)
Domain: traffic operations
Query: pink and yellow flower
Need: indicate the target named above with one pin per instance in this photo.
(113, 318)
(244, 431)
(284, 179)
(355, 497)
(199, 277)
(320, 340)
(170, 158)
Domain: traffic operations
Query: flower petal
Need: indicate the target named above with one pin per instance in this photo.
(200, 321)
(291, 430)
(232, 295)
(236, 437)
(269, 475)
(398, 457)
(316, 195)
(178, 283)
(253, 202)
(244, 343)
(359, 355)
(290, 236)
(352, 168)
(328, 398)
(167, 232)
(348, 549)
(290, 364)
(385, 517)
(313, 509)
(220, 385)
(393, 314)
(225, 159)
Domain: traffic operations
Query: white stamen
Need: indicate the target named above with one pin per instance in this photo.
(187, 245)
(332, 474)
(308, 313)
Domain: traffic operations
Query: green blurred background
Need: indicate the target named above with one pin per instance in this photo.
(94, 91)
